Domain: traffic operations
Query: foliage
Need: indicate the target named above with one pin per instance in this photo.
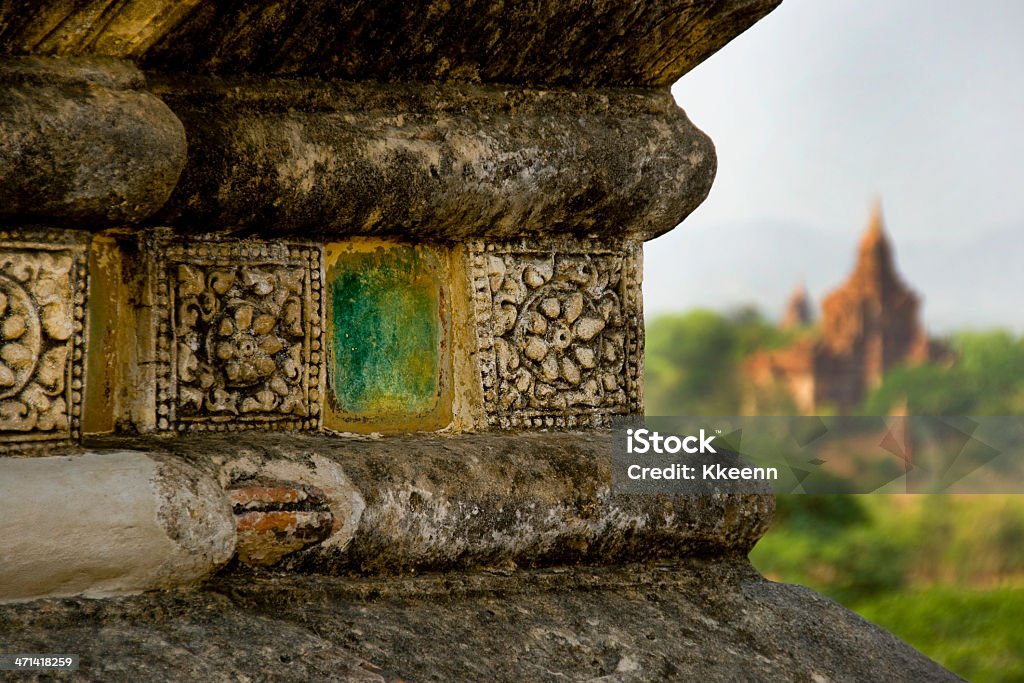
(859, 545)
(923, 567)
(832, 544)
(987, 379)
(819, 513)
(924, 390)
(966, 540)
(975, 633)
(693, 360)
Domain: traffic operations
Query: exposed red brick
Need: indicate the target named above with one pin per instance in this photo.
(252, 496)
(274, 519)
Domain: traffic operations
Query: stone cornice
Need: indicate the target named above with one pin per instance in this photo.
(551, 42)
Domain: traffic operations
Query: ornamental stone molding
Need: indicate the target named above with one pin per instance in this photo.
(238, 335)
(560, 331)
(42, 337)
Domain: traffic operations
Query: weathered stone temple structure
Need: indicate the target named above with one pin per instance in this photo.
(314, 317)
(869, 325)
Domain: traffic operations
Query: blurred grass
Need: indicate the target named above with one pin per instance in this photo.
(979, 634)
(945, 573)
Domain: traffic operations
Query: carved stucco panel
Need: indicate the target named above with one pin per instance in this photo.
(42, 337)
(560, 332)
(239, 335)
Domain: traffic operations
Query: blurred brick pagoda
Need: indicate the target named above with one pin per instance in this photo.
(869, 325)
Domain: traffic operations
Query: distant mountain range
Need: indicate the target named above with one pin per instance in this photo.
(978, 283)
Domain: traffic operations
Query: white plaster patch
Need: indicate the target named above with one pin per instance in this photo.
(102, 524)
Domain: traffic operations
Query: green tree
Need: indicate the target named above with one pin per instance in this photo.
(924, 390)
(987, 379)
(694, 360)
(994, 363)
(690, 365)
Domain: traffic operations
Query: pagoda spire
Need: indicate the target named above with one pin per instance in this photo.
(876, 224)
(798, 309)
(875, 262)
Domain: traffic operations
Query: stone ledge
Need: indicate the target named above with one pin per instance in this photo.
(83, 145)
(157, 513)
(584, 42)
(694, 620)
(427, 502)
(433, 161)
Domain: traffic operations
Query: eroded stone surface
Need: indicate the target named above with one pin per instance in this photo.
(433, 161)
(560, 329)
(703, 620)
(42, 337)
(82, 145)
(427, 502)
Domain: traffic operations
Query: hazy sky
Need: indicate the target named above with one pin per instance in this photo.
(825, 103)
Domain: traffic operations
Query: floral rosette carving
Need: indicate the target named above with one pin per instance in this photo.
(37, 326)
(560, 338)
(241, 337)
